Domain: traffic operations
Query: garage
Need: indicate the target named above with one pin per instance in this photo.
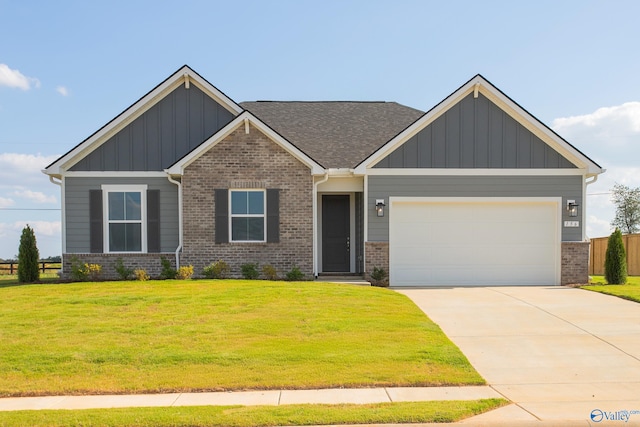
(474, 241)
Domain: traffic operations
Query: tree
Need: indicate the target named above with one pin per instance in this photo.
(627, 202)
(615, 260)
(28, 255)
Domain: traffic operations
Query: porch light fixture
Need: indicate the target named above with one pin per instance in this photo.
(572, 208)
(380, 207)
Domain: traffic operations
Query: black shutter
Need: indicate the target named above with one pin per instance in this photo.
(273, 215)
(153, 220)
(222, 215)
(95, 222)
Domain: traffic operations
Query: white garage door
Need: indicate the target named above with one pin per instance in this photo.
(470, 242)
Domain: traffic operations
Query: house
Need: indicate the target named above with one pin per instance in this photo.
(474, 191)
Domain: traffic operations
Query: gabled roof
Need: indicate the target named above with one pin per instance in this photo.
(244, 119)
(479, 84)
(336, 134)
(184, 75)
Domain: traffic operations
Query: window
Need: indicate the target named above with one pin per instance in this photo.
(248, 217)
(125, 214)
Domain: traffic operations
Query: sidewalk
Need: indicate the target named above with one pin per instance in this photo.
(250, 398)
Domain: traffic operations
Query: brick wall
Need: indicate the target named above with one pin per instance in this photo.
(376, 255)
(575, 263)
(248, 161)
(148, 262)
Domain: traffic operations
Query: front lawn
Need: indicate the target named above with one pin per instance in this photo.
(161, 336)
(630, 291)
(241, 416)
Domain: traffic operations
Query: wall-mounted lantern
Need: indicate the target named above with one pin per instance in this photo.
(572, 208)
(380, 207)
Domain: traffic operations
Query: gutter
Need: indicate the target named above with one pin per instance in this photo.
(315, 222)
(180, 231)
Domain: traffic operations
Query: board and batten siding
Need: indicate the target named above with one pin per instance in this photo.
(77, 210)
(160, 136)
(569, 187)
(475, 133)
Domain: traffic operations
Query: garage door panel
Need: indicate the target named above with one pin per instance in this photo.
(473, 243)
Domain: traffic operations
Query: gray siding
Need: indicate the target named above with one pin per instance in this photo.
(77, 210)
(382, 187)
(165, 133)
(474, 133)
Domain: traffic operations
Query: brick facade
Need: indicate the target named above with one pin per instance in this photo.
(575, 263)
(376, 255)
(149, 262)
(248, 161)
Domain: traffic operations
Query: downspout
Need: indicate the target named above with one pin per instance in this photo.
(179, 248)
(315, 222)
(63, 221)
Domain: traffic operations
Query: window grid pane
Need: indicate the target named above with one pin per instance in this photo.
(247, 216)
(125, 221)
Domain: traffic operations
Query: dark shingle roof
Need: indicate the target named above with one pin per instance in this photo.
(336, 134)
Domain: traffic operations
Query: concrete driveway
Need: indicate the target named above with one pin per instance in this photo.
(558, 353)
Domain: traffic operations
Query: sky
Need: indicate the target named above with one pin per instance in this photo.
(69, 67)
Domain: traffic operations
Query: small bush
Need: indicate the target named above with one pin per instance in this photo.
(185, 272)
(615, 260)
(123, 272)
(378, 275)
(216, 270)
(141, 274)
(167, 272)
(250, 271)
(294, 274)
(28, 256)
(79, 270)
(94, 271)
(269, 272)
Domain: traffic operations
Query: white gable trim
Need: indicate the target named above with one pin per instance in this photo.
(243, 120)
(184, 75)
(479, 84)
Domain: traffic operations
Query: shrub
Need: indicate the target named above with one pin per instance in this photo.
(28, 257)
(378, 275)
(269, 272)
(141, 274)
(123, 272)
(615, 260)
(294, 274)
(216, 270)
(185, 272)
(94, 271)
(250, 271)
(79, 270)
(167, 272)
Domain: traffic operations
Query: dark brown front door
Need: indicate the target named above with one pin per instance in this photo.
(336, 247)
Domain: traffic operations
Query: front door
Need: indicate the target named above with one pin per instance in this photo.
(336, 247)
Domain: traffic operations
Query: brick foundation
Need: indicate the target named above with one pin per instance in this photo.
(575, 263)
(148, 262)
(376, 255)
(251, 160)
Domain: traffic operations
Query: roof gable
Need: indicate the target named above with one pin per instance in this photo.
(245, 119)
(337, 134)
(531, 130)
(119, 132)
(474, 133)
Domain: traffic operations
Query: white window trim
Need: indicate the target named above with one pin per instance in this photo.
(142, 189)
(263, 215)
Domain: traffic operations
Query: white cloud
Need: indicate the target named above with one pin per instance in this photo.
(15, 79)
(62, 90)
(5, 203)
(610, 135)
(35, 196)
(48, 235)
(20, 169)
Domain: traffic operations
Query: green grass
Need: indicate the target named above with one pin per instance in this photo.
(240, 416)
(161, 336)
(630, 290)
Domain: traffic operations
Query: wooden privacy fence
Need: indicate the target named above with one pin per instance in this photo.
(599, 248)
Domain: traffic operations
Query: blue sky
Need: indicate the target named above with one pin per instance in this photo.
(68, 67)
